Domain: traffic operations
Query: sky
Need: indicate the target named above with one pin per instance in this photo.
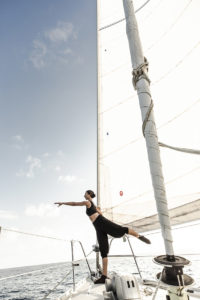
(48, 103)
(48, 120)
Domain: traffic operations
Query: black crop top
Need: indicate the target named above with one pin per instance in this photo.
(90, 211)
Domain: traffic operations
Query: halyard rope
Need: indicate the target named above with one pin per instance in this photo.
(138, 74)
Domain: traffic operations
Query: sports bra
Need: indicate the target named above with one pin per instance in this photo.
(90, 211)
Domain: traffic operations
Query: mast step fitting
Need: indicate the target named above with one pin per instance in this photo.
(171, 260)
(172, 273)
(174, 276)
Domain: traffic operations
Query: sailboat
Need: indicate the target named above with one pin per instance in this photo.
(148, 168)
(140, 184)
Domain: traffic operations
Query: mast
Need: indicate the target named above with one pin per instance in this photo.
(98, 121)
(141, 83)
(172, 273)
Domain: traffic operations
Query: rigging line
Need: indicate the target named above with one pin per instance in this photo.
(159, 127)
(158, 40)
(184, 150)
(165, 74)
(151, 190)
(185, 195)
(53, 289)
(183, 175)
(33, 234)
(171, 26)
(135, 95)
(22, 274)
(177, 64)
(77, 260)
(180, 114)
(175, 228)
(123, 19)
(152, 11)
(143, 21)
(118, 104)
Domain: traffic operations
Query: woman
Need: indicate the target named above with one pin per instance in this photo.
(103, 227)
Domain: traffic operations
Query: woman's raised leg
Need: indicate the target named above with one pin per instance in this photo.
(132, 232)
(140, 237)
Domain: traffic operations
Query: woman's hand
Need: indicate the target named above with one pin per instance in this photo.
(59, 203)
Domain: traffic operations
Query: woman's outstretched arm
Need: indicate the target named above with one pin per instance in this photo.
(72, 203)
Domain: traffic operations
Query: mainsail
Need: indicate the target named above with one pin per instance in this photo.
(169, 32)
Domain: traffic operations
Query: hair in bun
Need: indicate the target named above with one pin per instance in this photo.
(91, 193)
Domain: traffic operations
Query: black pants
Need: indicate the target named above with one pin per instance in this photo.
(103, 227)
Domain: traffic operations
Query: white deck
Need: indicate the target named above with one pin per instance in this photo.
(87, 290)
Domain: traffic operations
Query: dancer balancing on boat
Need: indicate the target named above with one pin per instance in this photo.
(103, 227)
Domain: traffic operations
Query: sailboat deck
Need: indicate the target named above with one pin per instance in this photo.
(87, 290)
(90, 291)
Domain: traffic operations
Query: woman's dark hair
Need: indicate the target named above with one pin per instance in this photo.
(91, 193)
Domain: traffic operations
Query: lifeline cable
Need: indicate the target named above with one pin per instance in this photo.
(33, 234)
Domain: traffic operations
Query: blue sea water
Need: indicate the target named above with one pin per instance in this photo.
(42, 278)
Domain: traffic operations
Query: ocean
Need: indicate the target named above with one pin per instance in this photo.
(34, 282)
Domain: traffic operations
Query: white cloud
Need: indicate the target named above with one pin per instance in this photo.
(66, 179)
(57, 168)
(20, 173)
(42, 210)
(34, 163)
(46, 154)
(60, 153)
(79, 60)
(61, 33)
(18, 138)
(38, 54)
(18, 142)
(52, 45)
(5, 214)
(66, 51)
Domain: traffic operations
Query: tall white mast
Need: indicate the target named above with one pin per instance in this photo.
(99, 138)
(141, 84)
(172, 273)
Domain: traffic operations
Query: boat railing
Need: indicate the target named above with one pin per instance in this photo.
(128, 255)
(75, 263)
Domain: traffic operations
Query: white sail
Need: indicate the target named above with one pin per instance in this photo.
(169, 33)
